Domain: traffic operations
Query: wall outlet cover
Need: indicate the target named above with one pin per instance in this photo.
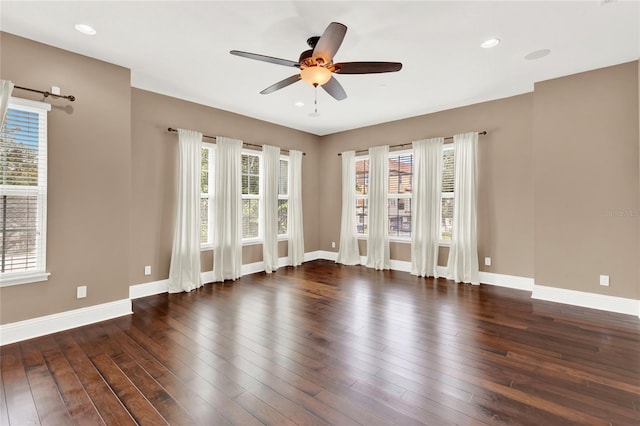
(604, 280)
(487, 261)
(147, 270)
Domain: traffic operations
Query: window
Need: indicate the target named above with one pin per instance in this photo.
(251, 196)
(283, 198)
(23, 193)
(400, 182)
(448, 187)
(206, 194)
(399, 194)
(362, 196)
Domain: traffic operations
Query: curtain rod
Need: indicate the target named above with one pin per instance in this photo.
(448, 138)
(171, 129)
(46, 94)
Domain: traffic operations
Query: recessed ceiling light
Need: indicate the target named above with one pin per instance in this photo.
(299, 104)
(488, 44)
(86, 29)
(537, 54)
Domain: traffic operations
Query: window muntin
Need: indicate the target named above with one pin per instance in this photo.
(23, 192)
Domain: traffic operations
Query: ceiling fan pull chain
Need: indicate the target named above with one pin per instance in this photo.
(315, 101)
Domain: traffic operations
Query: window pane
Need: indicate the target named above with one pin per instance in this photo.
(446, 223)
(400, 174)
(254, 185)
(448, 172)
(362, 177)
(18, 232)
(399, 217)
(283, 182)
(19, 143)
(362, 216)
(250, 217)
(204, 172)
(250, 174)
(204, 220)
(283, 206)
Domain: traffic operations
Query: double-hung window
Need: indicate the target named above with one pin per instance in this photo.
(251, 196)
(399, 194)
(283, 198)
(206, 194)
(448, 190)
(252, 193)
(362, 196)
(23, 193)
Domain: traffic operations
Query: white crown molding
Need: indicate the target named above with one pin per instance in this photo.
(36, 327)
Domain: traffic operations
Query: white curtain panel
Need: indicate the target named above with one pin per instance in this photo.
(184, 271)
(426, 206)
(295, 226)
(271, 160)
(348, 253)
(378, 243)
(6, 87)
(227, 233)
(463, 253)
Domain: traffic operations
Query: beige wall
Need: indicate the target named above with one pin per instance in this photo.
(89, 178)
(505, 206)
(586, 181)
(154, 157)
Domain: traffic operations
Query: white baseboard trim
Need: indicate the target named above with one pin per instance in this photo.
(321, 254)
(509, 281)
(602, 302)
(36, 327)
(148, 289)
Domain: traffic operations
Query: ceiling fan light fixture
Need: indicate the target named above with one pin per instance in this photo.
(315, 75)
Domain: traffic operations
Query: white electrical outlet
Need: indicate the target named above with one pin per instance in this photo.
(147, 270)
(81, 292)
(333, 244)
(55, 90)
(487, 261)
(604, 280)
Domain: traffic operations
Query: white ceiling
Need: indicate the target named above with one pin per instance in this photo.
(181, 49)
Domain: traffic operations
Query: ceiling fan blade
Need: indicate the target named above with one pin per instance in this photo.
(281, 84)
(366, 67)
(330, 41)
(335, 89)
(264, 58)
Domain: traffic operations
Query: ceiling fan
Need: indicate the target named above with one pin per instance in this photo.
(316, 64)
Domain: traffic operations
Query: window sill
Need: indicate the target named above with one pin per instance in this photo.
(24, 278)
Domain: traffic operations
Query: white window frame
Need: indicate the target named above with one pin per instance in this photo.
(38, 273)
(211, 148)
(444, 195)
(285, 236)
(259, 196)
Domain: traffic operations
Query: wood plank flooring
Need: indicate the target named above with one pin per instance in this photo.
(326, 344)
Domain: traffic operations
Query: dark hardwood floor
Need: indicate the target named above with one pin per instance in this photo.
(328, 344)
